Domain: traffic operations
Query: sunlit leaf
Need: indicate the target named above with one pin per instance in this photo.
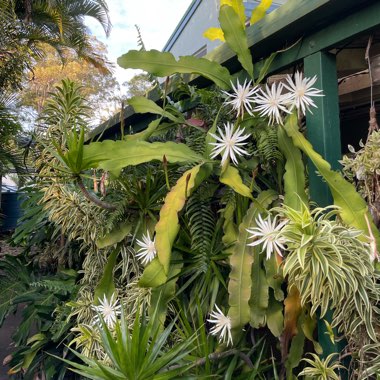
(231, 177)
(143, 105)
(259, 12)
(294, 177)
(238, 7)
(214, 34)
(168, 225)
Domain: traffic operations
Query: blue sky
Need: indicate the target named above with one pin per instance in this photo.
(156, 19)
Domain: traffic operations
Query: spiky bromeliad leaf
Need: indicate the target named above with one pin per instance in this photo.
(235, 36)
(231, 177)
(353, 208)
(239, 287)
(163, 64)
(115, 155)
(294, 177)
(167, 228)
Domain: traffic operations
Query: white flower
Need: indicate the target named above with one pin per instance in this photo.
(301, 92)
(272, 102)
(242, 97)
(230, 143)
(147, 252)
(222, 326)
(109, 311)
(268, 234)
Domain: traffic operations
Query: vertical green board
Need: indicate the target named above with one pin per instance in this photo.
(323, 132)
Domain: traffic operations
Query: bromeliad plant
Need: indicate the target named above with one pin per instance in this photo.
(231, 218)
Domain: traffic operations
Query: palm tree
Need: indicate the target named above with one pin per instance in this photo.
(60, 23)
(26, 25)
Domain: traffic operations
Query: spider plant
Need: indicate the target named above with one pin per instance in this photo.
(322, 369)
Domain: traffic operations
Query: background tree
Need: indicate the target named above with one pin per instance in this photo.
(100, 89)
(138, 85)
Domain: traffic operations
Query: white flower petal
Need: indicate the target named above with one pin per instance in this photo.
(301, 92)
(222, 326)
(147, 251)
(268, 233)
(109, 310)
(242, 98)
(230, 143)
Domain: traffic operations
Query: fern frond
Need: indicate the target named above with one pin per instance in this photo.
(55, 285)
(201, 220)
(14, 280)
(267, 144)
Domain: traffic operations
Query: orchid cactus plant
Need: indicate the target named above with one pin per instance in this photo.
(235, 235)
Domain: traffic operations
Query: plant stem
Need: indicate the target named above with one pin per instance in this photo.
(92, 198)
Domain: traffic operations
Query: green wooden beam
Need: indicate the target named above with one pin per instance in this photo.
(336, 34)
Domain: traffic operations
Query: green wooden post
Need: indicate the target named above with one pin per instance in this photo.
(323, 132)
(323, 127)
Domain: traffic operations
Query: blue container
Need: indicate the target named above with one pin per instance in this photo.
(10, 210)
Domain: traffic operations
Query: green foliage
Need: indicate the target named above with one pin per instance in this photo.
(115, 155)
(41, 297)
(143, 105)
(352, 208)
(294, 176)
(164, 64)
(163, 180)
(241, 262)
(11, 156)
(118, 233)
(65, 109)
(106, 286)
(168, 227)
